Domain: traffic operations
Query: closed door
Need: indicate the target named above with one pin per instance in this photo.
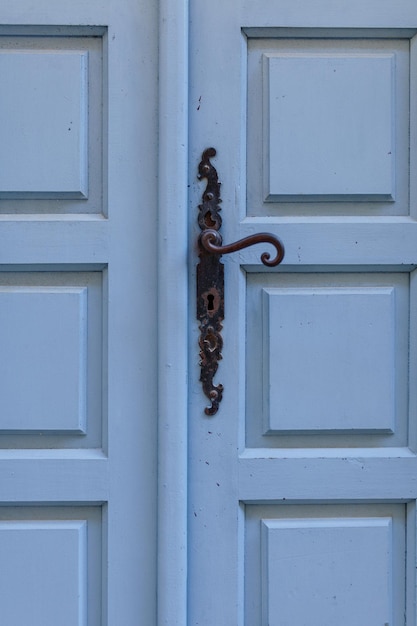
(77, 371)
(303, 484)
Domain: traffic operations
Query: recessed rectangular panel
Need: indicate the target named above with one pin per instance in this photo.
(334, 348)
(43, 362)
(43, 123)
(329, 362)
(329, 564)
(52, 363)
(51, 572)
(330, 125)
(43, 580)
(335, 571)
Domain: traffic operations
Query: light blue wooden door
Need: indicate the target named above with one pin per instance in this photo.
(303, 486)
(77, 369)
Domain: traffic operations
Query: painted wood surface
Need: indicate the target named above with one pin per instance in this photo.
(78, 306)
(303, 172)
(51, 124)
(310, 463)
(173, 320)
(304, 116)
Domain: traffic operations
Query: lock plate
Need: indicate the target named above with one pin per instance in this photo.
(210, 277)
(210, 287)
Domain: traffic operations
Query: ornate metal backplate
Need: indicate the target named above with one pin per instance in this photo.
(210, 286)
(210, 277)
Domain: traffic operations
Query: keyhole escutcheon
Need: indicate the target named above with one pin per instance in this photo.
(211, 301)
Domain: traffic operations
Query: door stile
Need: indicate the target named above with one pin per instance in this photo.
(173, 313)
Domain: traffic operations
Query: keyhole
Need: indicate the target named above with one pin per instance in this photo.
(210, 302)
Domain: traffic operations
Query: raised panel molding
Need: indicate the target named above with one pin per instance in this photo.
(45, 562)
(329, 126)
(52, 328)
(320, 563)
(327, 569)
(328, 122)
(314, 340)
(335, 360)
(43, 123)
(43, 381)
(53, 135)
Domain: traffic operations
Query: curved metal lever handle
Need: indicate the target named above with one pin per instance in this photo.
(211, 241)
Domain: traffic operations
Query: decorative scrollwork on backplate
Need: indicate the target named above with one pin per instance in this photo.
(210, 286)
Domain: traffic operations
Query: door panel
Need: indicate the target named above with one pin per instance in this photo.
(77, 372)
(305, 560)
(328, 168)
(58, 315)
(55, 549)
(302, 487)
(58, 81)
(308, 332)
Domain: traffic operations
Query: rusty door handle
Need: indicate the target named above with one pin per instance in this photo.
(210, 277)
(211, 241)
